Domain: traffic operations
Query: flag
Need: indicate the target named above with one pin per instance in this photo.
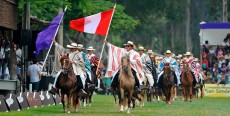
(45, 37)
(94, 24)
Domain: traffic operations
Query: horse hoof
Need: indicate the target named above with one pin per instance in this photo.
(128, 112)
(76, 110)
(68, 112)
(90, 105)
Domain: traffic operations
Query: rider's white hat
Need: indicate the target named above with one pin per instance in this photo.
(141, 48)
(90, 48)
(188, 54)
(80, 46)
(168, 52)
(129, 43)
(150, 51)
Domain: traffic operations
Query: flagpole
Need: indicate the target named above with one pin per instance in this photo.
(53, 41)
(105, 40)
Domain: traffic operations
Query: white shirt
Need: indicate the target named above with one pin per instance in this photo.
(34, 69)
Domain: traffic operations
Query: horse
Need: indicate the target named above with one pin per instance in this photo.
(67, 84)
(155, 90)
(126, 84)
(187, 82)
(200, 90)
(168, 81)
(94, 76)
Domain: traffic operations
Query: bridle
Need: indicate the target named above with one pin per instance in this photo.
(125, 67)
(68, 67)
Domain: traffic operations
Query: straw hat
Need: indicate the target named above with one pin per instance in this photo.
(90, 48)
(149, 51)
(221, 56)
(188, 54)
(129, 43)
(69, 46)
(196, 59)
(159, 58)
(141, 49)
(179, 56)
(80, 46)
(168, 52)
(73, 44)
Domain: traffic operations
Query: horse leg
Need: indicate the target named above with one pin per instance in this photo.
(129, 101)
(121, 100)
(68, 104)
(90, 99)
(84, 101)
(184, 93)
(63, 100)
(190, 93)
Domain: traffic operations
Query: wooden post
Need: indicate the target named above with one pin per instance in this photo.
(225, 11)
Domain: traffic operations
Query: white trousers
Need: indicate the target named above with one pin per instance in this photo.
(150, 79)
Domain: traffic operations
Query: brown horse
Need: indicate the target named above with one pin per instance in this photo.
(168, 82)
(126, 84)
(67, 84)
(187, 82)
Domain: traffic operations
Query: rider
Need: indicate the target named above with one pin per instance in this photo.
(78, 62)
(94, 63)
(147, 66)
(173, 64)
(192, 65)
(115, 54)
(87, 65)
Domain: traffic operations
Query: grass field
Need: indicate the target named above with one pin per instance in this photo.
(104, 106)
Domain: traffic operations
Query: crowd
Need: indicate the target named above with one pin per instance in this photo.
(215, 62)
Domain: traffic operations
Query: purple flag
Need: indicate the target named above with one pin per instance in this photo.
(46, 36)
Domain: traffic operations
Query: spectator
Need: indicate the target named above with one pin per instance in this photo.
(215, 75)
(220, 61)
(227, 56)
(34, 72)
(223, 68)
(220, 51)
(204, 64)
(221, 78)
(206, 44)
(228, 77)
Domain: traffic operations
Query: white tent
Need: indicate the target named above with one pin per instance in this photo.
(213, 32)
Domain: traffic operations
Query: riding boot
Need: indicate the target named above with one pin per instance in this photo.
(53, 91)
(90, 86)
(137, 90)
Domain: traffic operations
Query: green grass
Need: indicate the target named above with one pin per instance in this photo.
(104, 106)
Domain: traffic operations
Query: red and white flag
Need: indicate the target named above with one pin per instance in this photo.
(94, 24)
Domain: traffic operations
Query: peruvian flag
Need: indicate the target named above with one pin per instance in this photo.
(94, 24)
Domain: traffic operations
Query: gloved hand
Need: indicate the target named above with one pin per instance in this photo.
(133, 62)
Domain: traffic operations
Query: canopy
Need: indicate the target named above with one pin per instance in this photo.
(213, 32)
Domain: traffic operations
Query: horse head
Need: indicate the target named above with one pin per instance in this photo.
(125, 62)
(186, 67)
(65, 63)
(167, 70)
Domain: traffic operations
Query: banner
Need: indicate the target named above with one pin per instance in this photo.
(214, 90)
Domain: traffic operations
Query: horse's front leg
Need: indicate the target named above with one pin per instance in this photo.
(121, 100)
(190, 93)
(68, 104)
(129, 101)
(63, 100)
